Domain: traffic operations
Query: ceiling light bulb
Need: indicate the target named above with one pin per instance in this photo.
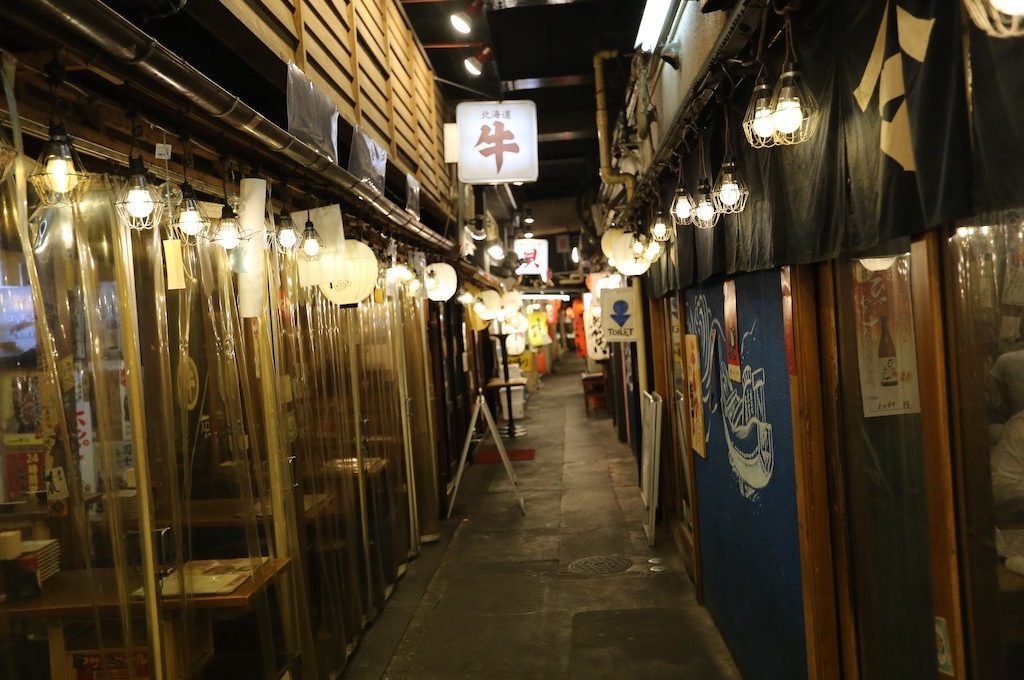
(1010, 7)
(286, 236)
(473, 65)
(311, 246)
(575, 255)
(764, 124)
(682, 208)
(190, 221)
(527, 234)
(461, 22)
(496, 251)
(659, 230)
(517, 184)
(139, 202)
(60, 174)
(729, 193)
(414, 285)
(465, 297)
(705, 211)
(788, 115)
(228, 235)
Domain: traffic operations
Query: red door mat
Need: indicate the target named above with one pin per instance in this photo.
(492, 455)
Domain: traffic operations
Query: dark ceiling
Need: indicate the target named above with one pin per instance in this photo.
(543, 51)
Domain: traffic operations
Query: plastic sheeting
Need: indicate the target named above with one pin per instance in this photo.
(312, 116)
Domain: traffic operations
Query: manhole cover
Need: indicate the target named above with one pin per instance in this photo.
(600, 564)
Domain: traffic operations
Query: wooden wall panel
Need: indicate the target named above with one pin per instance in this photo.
(365, 56)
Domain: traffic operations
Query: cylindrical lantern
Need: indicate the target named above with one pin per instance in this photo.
(515, 344)
(356, 268)
(441, 281)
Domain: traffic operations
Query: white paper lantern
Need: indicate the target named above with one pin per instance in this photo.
(353, 268)
(487, 305)
(627, 260)
(441, 281)
(608, 240)
(515, 344)
(511, 302)
(518, 323)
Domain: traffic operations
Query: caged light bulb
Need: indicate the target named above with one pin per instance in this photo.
(659, 230)
(311, 247)
(682, 208)
(189, 221)
(729, 193)
(1012, 8)
(788, 115)
(228, 235)
(139, 202)
(286, 236)
(60, 174)
(653, 251)
(763, 124)
(705, 211)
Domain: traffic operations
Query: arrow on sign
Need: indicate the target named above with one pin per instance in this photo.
(619, 314)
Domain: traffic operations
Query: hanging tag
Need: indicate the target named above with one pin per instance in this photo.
(175, 264)
(163, 152)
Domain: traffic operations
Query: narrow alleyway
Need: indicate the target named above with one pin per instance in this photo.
(497, 598)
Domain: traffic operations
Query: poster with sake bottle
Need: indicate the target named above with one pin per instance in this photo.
(886, 354)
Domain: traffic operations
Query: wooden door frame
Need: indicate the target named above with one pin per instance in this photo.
(812, 483)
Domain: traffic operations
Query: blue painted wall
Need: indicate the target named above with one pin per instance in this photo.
(746, 487)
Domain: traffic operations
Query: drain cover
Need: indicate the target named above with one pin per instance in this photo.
(599, 565)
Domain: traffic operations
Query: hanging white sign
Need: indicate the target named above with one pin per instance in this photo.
(533, 256)
(497, 141)
(619, 314)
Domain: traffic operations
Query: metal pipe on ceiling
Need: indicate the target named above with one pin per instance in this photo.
(102, 27)
(608, 176)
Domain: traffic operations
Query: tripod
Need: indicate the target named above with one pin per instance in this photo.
(481, 407)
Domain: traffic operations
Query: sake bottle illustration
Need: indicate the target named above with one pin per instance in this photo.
(887, 356)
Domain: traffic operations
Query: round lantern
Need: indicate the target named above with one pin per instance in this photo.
(356, 268)
(487, 305)
(515, 344)
(511, 302)
(608, 239)
(518, 323)
(627, 260)
(441, 281)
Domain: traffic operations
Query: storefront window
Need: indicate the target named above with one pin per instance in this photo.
(985, 280)
(882, 469)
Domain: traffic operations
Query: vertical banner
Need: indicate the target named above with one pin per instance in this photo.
(886, 353)
(596, 347)
(732, 335)
(695, 396)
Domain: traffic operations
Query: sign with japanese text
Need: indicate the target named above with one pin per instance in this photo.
(619, 313)
(886, 351)
(695, 395)
(497, 141)
(533, 256)
(597, 349)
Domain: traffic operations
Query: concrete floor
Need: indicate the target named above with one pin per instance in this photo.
(495, 598)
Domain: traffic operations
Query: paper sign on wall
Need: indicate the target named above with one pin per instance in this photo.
(533, 256)
(497, 141)
(732, 335)
(597, 349)
(619, 314)
(886, 352)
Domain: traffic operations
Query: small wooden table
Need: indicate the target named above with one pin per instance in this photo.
(77, 594)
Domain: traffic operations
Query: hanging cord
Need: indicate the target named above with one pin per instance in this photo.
(785, 12)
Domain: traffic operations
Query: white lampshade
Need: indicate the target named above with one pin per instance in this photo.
(487, 305)
(608, 239)
(356, 268)
(518, 323)
(441, 281)
(511, 302)
(515, 344)
(627, 261)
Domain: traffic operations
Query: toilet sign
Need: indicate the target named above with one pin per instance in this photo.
(619, 314)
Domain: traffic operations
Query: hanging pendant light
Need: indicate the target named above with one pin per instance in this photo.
(661, 230)
(287, 236)
(682, 206)
(758, 126)
(704, 214)
(496, 251)
(138, 203)
(312, 246)
(730, 193)
(60, 178)
(189, 222)
(227, 234)
(794, 109)
(998, 18)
